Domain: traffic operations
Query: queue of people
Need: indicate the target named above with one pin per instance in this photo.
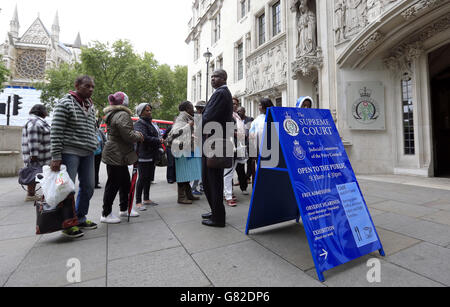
(76, 141)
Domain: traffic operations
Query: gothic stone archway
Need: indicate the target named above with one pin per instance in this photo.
(439, 63)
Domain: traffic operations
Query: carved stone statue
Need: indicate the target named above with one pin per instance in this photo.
(374, 9)
(306, 27)
(356, 16)
(340, 11)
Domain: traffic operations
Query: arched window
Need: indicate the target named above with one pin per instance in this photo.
(408, 116)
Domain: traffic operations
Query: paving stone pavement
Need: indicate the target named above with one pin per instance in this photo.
(168, 246)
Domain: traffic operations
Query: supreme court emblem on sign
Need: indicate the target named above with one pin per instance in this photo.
(290, 126)
(299, 152)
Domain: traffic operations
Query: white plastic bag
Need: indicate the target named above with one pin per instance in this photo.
(56, 186)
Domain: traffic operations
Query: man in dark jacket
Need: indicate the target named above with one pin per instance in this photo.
(218, 110)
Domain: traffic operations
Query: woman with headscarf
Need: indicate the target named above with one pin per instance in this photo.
(36, 146)
(305, 102)
(188, 167)
(148, 151)
(118, 154)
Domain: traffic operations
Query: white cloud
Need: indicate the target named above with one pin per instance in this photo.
(151, 25)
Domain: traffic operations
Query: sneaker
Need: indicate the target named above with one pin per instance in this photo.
(231, 203)
(245, 192)
(73, 233)
(140, 207)
(133, 213)
(150, 203)
(197, 193)
(88, 225)
(110, 219)
(234, 198)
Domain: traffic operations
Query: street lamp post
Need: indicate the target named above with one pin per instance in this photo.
(208, 56)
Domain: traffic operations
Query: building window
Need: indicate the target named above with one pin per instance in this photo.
(276, 19)
(199, 86)
(196, 49)
(240, 61)
(31, 64)
(261, 29)
(279, 102)
(194, 89)
(212, 69)
(244, 8)
(219, 63)
(408, 116)
(216, 28)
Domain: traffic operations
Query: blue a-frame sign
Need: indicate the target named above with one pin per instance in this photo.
(313, 180)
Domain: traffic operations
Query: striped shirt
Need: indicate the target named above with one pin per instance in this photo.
(36, 141)
(74, 129)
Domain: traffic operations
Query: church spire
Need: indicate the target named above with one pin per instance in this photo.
(14, 24)
(55, 28)
(77, 43)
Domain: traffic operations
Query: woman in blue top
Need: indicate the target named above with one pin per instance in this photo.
(181, 140)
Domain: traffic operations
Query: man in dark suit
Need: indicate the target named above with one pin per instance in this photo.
(218, 110)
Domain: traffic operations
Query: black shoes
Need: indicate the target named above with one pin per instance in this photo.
(208, 222)
(207, 216)
(213, 224)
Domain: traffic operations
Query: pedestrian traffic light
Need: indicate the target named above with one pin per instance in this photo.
(3, 108)
(16, 105)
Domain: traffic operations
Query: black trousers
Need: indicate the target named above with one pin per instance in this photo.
(118, 181)
(213, 186)
(98, 161)
(146, 176)
(171, 171)
(242, 176)
(249, 168)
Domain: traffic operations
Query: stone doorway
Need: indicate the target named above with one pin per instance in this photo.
(439, 63)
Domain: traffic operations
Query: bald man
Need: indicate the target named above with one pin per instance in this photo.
(219, 110)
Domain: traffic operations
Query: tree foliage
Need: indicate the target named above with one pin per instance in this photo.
(61, 81)
(4, 73)
(118, 67)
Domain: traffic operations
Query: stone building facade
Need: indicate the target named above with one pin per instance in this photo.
(381, 66)
(28, 56)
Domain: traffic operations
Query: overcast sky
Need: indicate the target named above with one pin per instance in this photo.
(158, 26)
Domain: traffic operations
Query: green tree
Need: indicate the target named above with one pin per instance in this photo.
(118, 67)
(4, 73)
(172, 89)
(60, 80)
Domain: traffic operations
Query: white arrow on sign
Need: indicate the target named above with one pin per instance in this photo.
(325, 253)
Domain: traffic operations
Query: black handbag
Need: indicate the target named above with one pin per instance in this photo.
(161, 158)
(60, 218)
(27, 175)
(224, 162)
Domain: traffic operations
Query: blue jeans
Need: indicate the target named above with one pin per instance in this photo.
(84, 168)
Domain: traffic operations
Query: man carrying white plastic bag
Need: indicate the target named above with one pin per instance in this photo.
(74, 141)
(56, 186)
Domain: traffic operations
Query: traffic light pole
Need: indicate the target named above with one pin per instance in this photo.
(8, 114)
